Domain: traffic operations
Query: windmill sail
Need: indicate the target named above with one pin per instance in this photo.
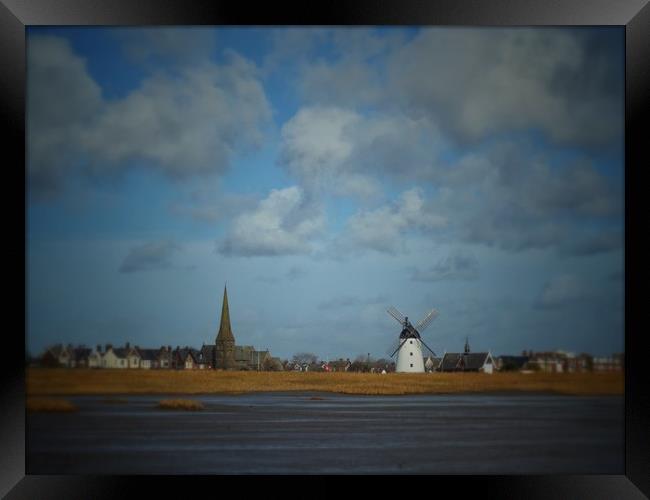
(426, 321)
(396, 314)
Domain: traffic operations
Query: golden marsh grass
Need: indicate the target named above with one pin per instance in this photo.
(48, 382)
(180, 404)
(49, 405)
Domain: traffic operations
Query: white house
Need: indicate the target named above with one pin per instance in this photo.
(132, 356)
(114, 358)
(95, 357)
(66, 355)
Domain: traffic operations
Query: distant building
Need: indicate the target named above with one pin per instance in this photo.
(548, 362)
(95, 357)
(432, 363)
(148, 358)
(208, 355)
(164, 360)
(132, 356)
(57, 356)
(511, 363)
(114, 357)
(340, 365)
(79, 358)
(187, 358)
(559, 362)
(225, 342)
(224, 354)
(467, 361)
(580, 363)
(614, 363)
(248, 358)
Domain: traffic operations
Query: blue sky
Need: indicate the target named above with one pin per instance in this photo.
(326, 174)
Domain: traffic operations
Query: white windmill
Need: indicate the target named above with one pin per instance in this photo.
(409, 351)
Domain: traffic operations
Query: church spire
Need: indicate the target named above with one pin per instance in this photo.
(225, 332)
(466, 345)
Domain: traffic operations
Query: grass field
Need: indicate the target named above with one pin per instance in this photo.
(180, 404)
(49, 382)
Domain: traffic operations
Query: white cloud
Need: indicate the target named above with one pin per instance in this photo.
(185, 123)
(479, 82)
(514, 200)
(317, 142)
(383, 229)
(340, 151)
(476, 82)
(282, 224)
(62, 100)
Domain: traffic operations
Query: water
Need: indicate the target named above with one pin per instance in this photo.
(289, 433)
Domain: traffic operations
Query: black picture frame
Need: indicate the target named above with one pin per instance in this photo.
(634, 15)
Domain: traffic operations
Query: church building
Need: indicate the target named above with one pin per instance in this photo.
(225, 355)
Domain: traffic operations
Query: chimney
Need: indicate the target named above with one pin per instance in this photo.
(109, 346)
(169, 348)
(128, 345)
(99, 348)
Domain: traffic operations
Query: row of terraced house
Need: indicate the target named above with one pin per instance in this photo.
(223, 354)
(135, 357)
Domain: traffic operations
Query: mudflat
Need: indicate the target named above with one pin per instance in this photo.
(323, 433)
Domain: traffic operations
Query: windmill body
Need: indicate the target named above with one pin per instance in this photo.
(409, 357)
(409, 352)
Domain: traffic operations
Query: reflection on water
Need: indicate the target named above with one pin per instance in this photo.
(291, 433)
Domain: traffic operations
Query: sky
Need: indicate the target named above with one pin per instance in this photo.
(325, 175)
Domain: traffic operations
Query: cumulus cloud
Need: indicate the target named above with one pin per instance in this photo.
(316, 142)
(561, 291)
(149, 256)
(185, 125)
(515, 200)
(341, 151)
(503, 193)
(513, 79)
(565, 83)
(62, 100)
(382, 229)
(458, 265)
(284, 223)
(182, 124)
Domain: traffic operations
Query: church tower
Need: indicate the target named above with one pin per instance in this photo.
(225, 342)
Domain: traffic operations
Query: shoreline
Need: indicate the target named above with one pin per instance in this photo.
(298, 392)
